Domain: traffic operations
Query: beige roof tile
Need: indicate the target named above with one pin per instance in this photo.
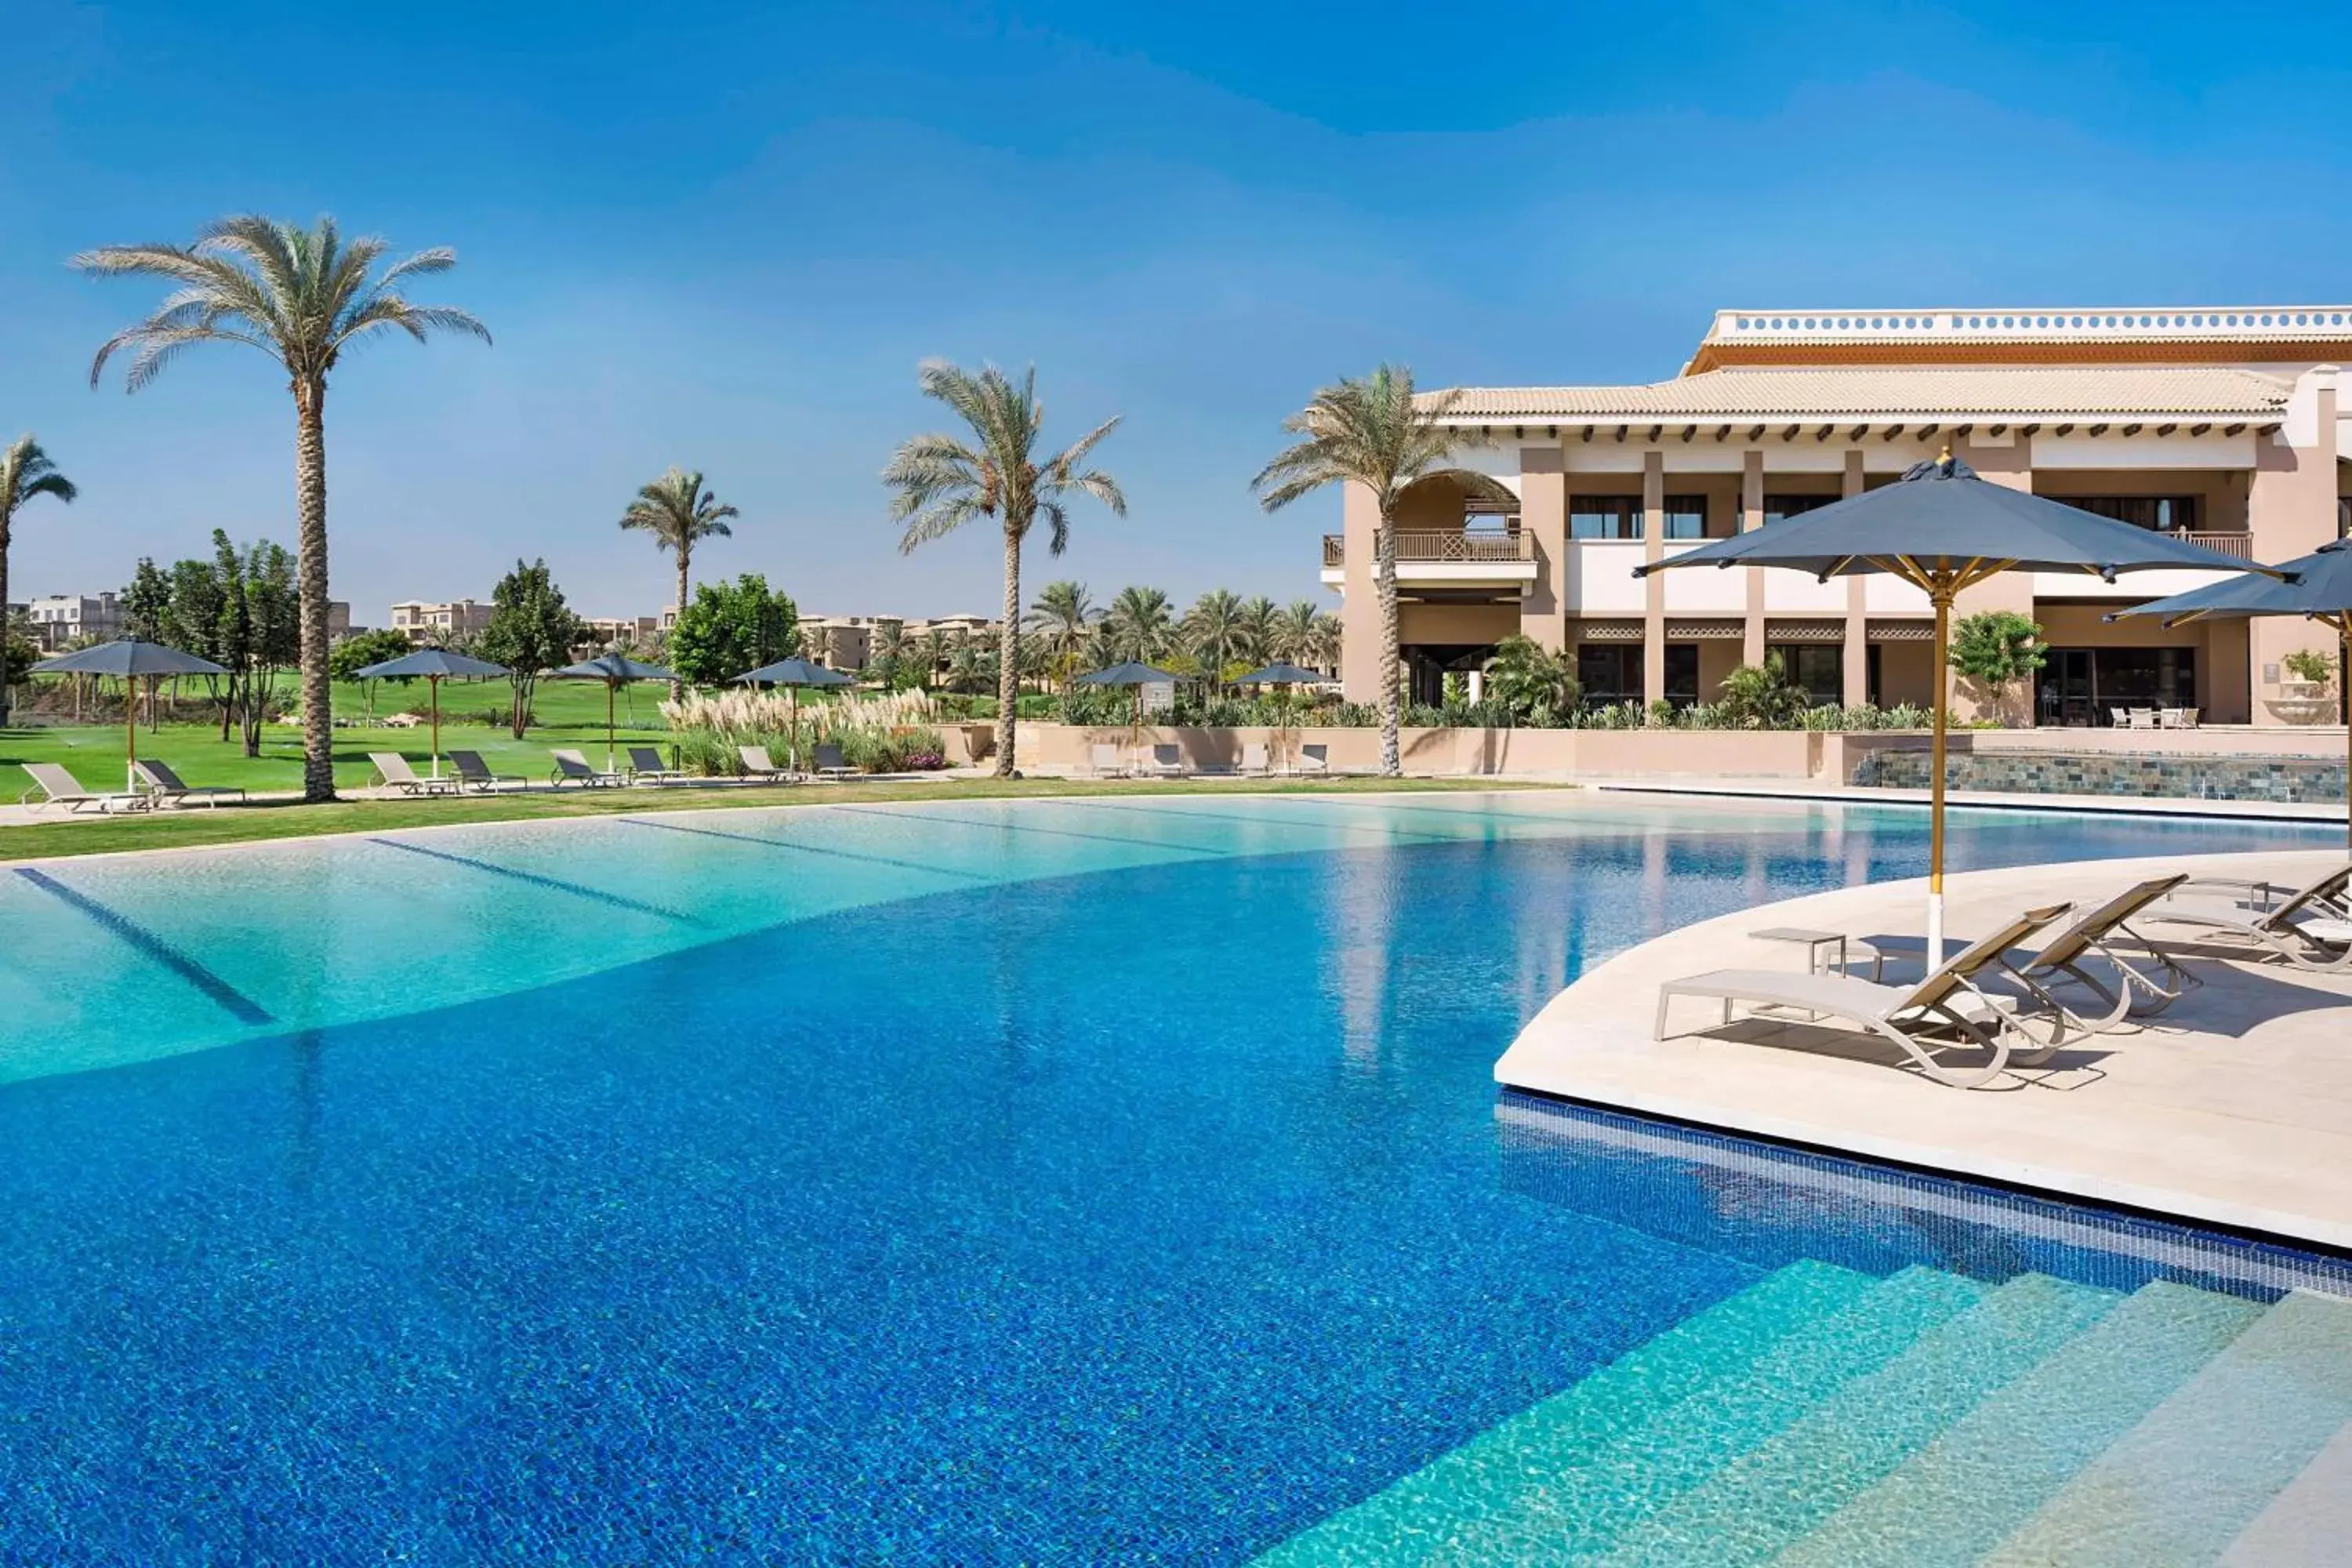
(1883, 393)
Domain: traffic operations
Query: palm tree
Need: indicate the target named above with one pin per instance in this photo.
(935, 651)
(26, 471)
(941, 483)
(1138, 625)
(887, 653)
(302, 297)
(1376, 434)
(1212, 631)
(1064, 616)
(679, 512)
(1254, 633)
(1298, 632)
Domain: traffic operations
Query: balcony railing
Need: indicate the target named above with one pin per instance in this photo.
(1443, 545)
(2240, 545)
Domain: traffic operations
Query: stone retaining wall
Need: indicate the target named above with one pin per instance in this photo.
(2296, 781)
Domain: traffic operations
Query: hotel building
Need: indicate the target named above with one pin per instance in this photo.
(2220, 424)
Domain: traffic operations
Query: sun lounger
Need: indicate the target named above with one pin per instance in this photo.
(1106, 762)
(1314, 758)
(570, 767)
(2133, 989)
(645, 766)
(1254, 759)
(1944, 1012)
(829, 764)
(756, 764)
(475, 773)
(1167, 762)
(2310, 928)
(53, 785)
(393, 769)
(166, 787)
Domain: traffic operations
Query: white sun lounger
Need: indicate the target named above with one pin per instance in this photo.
(393, 769)
(1167, 762)
(1944, 1012)
(166, 787)
(756, 764)
(2311, 928)
(1105, 760)
(645, 766)
(53, 785)
(1314, 758)
(1253, 758)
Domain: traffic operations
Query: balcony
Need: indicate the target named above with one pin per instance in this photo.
(1449, 561)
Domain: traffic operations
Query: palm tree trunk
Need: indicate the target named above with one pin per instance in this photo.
(1384, 593)
(685, 565)
(4, 628)
(310, 505)
(1008, 654)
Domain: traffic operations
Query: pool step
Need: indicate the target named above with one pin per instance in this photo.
(1776, 1491)
(1957, 1498)
(2184, 1483)
(2309, 1525)
(1559, 1481)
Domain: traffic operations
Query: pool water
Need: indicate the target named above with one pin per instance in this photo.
(986, 1182)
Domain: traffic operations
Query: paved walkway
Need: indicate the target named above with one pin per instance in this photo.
(2235, 1106)
(1852, 794)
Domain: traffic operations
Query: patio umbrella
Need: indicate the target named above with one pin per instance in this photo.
(1282, 675)
(128, 658)
(1944, 530)
(1130, 673)
(433, 663)
(2319, 586)
(613, 669)
(792, 674)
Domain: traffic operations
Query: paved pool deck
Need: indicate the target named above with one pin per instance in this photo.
(2234, 1108)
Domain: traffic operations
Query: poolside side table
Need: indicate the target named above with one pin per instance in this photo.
(1814, 943)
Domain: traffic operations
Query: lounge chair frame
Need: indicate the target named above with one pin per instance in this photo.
(166, 787)
(2271, 925)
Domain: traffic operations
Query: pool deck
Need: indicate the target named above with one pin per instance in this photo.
(2234, 1108)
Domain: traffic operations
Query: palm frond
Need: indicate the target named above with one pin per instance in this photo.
(941, 517)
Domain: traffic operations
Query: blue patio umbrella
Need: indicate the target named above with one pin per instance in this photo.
(2317, 586)
(1944, 530)
(129, 658)
(792, 674)
(1130, 673)
(1282, 675)
(613, 669)
(435, 664)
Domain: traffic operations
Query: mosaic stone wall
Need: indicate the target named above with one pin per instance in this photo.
(2285, 779)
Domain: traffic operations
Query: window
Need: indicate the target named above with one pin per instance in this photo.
(1780, 509)
(1682, 674)
(2344, 516)
(1685, 517)
(1604, 517)
(1609, 672)
(2164, 514)
(1818, 667)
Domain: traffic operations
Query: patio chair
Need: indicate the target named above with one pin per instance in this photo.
(645, 766)
(393, 769)
(1314, 758)
(1944, 1012)
(1167, 762)
(827, 763)
(2310, 928)
(166, 787)
(475, 773)
(570, 767)
(1105, 761)
(1253, 758)
(2061, 960)
(756, 764)
(53, 785)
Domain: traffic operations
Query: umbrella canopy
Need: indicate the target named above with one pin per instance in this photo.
(1943, 529)
(2318, 586)
(795, 671)
(1279, 674)
(1128, 674)
(128, 657)
(615, 667)
(431, 663)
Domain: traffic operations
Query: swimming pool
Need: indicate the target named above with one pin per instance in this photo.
(1047, 1182)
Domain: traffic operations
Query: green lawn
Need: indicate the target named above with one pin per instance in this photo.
(94, 836)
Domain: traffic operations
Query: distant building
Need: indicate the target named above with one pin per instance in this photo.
(839, 642)
(338, 620)
(623, 631)
(951, 626)
(59, 619)
(424, 622)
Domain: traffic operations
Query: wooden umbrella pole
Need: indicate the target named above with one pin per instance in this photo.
(130, 733)
(432, 684)
(610, 687)
(1942, 598)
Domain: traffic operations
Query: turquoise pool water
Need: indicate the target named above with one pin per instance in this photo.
(1037, 1181)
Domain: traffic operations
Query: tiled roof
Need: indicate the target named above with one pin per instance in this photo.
(2010, 393)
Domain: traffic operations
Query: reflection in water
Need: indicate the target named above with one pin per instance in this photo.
(1364, 916)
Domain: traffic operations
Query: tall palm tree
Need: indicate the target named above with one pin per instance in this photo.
(1212, 631)
(1139, 625)
(302, 297)
(1298, 632)
(941, 483)
(935, 649)
(1064, 615)
(1374, 433)
(26, 471)
(1254, 635)
(886, 653)
(679, 511)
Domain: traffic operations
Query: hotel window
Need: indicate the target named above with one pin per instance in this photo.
(1780, 509)
(2344, 516)
(1609, 672)
(1682, 674)
(1604, 517)
(2163, 514)
(1819, 668)
(1685, 517)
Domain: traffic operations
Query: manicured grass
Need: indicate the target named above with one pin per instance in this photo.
(230, 824)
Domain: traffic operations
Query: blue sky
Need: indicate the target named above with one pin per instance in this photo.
(723, 236)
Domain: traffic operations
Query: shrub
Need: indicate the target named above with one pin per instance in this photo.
(876, 734)
(1995, 648)
(2311, 664)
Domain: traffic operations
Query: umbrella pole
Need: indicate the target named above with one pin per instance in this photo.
(1943, 602)
(610, 687)
(432, 684)
(793, 755)
(130, 733)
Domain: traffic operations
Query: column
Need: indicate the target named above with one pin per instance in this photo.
(2291, 511)
(1855, 661)
(1543, 517)
(1751, 517)
(1654, 548)
(1359, 609)
(2011, 465)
